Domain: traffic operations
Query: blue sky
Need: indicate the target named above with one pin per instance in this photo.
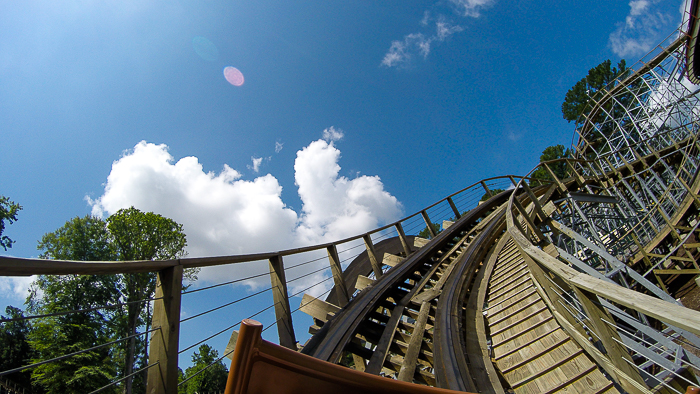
(100, 99)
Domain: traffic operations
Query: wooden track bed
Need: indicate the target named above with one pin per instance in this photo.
(531, 351)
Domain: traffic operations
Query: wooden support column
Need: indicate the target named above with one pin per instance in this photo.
(162, 379)
(488, 191)
(428, 223)
(610, 338)
(454, 208)
(578, 176)
(283, 313)
(561, 186)
(523, 211)
(535, 202)
(340, 288)
(372, 256)
(402, 237)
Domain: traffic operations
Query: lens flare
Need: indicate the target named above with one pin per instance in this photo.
(233, 76)
(205, 48)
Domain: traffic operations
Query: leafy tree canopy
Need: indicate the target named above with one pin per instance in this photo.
(15, 351)
(8, 211)
(129, 234)
(559, 169)
(592, 86)
(213, 379)
(82, 239)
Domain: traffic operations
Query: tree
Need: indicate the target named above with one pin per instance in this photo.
(578, 99)
(8, 211)
(213, 380)
(15, 351)
(129, 234)
(559, 169)
(140, 235)
(425, 233)
(81, 239)
(57, 336)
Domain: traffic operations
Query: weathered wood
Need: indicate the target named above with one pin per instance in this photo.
(408, 368)
(283, 313)
(362, 282)
(608, 336)
(402, 237)
(391, 260)
(372, 256)
(16, 266)
(317, 308)
(428, 223)
(231, 345)
(486, 188)
(419, 242)
(454, 208)
(341, 289)
(162, 378)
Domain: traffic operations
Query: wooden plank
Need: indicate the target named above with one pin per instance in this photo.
(283, 313)
(231, 345)
(317, 308)
(341, 289)
(372, 256)
(419, 242)
(477, 354)
(164, 344)
(402, 237)
(362, 282)
(428, 223)
(454, 208)
(408, 368)
(608, 336)
(391, 260)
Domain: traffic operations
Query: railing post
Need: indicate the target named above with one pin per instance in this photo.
(283, 313)
(428, 223)
(340, 289)
(454, 208)
(488, 191)
(402, 237)
(162, 379)
(372, 256)
(609, 337)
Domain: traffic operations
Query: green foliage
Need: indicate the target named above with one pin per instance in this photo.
(8, 211)
(559, 169)
(425, 233)
(56, 336)
(82, 239)
(145, 235)
(15, 351)
(592, 87)
(213, 379)
(129, 234)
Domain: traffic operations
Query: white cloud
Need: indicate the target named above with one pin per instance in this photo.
(444, 29)
(257, 161)
(472, 8)
(15, 287)
(278, 146)
(401, 53)
(643, 28)
(223, 214)
(332, 134)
